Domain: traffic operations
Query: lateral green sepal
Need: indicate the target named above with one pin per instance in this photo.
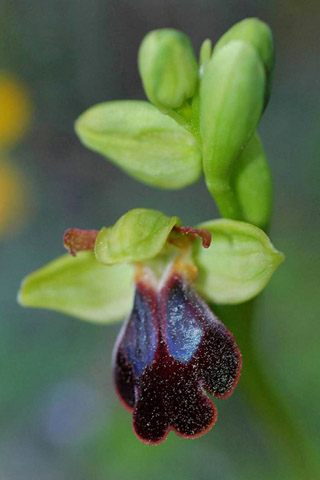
(238, 264)
(81, 287)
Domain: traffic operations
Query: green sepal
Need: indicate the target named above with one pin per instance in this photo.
(168, 68)
(238, 264)
(146, 144)
(81, 287)
(138, 235)
(231, 102)
(251, 180)
(259, 35)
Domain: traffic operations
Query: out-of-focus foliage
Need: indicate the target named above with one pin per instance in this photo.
(14, 202)
(16, 110)
(15, 119)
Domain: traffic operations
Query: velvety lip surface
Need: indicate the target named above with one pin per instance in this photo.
(170, 350)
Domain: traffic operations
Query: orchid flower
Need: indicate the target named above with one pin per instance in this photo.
(159, 275)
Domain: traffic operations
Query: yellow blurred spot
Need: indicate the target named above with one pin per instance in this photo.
(15, 110)
(14, 205)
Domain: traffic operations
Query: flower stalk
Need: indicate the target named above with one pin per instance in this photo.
(159, 274)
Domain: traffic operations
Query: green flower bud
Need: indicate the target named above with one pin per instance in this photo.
(259, 35)
(205, 54)
(82, 287)
(146, 144)
(168, 68)
(251, 180)
(138, 235)
(231, 103)
(238, 264)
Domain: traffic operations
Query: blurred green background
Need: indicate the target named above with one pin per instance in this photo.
(59, 416)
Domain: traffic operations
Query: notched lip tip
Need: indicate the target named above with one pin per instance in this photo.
(203, 432)
(154, 443)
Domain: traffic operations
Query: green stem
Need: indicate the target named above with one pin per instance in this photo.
(262, 394)
(225, 198)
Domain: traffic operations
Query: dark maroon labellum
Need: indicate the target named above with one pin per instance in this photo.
(170, 350)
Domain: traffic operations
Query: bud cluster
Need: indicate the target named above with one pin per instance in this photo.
(202, 118)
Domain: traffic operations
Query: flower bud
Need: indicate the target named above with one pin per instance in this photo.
(231, 103)
(168, 68)
(252, 184)
(259, 35)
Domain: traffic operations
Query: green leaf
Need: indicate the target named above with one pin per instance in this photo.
(259, 35)
(238, 264)
(231, 102)
(82, 287)
(252, 184)
(138, 235)
(146, 144)
(168, 68)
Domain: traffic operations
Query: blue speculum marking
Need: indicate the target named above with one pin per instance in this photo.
(139, 340)
(183, 332)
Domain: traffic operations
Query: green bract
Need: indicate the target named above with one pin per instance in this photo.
(145, 143)
(238, 264)
(82, 287)
(168, 68)
(138, 235)
(259, 35)
(231, 103)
